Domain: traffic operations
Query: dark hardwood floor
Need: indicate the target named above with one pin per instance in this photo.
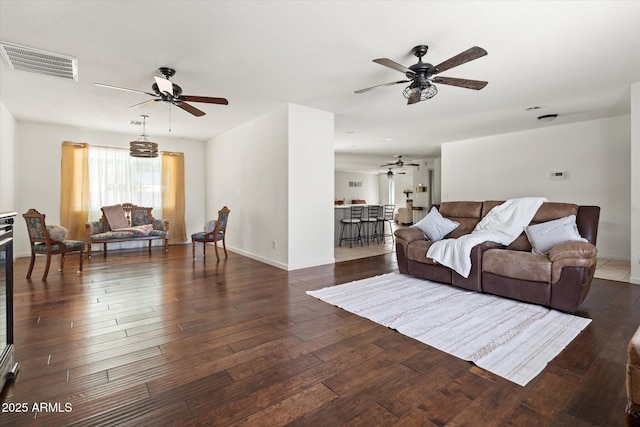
(162, 340)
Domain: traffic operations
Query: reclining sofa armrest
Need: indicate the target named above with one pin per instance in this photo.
(409, 234)
(572, 250)
(572, 254)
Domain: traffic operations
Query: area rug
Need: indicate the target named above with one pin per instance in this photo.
(512, 339)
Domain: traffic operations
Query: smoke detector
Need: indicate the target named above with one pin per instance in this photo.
(23, 58)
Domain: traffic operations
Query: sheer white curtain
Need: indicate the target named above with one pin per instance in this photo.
(115, 177)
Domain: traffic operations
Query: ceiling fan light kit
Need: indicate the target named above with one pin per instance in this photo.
(142, 147)
(166, 91)
(422, 75)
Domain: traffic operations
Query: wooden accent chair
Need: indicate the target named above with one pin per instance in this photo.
(42, 243)
(213, 236)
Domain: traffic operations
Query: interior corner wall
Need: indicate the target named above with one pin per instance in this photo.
(593, 154)
(275, 173)
(635, 183)
(311, 187)
(246, 170)
(38, 155)
(7, 160)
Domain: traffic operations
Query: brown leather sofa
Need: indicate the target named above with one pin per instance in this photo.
(560, 280)
(633, 381)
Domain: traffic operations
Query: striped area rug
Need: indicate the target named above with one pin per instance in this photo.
(512, 339)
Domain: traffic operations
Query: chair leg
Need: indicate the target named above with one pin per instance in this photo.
(150, 246)
(46, 268)
(193, 249)
(62, 260)
(215, 245)
(33, 260)
(81, 260)
(224, 246)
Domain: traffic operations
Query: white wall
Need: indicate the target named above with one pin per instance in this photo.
(370, 190)
(7, 160)
(595, 155)
(249, 169)
(38, 156)
(311, 184)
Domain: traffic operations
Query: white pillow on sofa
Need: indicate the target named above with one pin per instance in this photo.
(435, 226)
(546, 235)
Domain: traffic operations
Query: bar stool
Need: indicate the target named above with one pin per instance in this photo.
(354, 220)
(387, 217)
(373, 215)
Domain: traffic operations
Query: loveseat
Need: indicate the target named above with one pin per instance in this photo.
(558, 279)
(134, 223)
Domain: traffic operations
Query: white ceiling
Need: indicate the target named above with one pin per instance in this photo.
(573, 58)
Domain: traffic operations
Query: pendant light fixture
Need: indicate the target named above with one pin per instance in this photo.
(142, 147)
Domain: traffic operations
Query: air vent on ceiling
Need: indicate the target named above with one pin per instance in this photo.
(24, 58)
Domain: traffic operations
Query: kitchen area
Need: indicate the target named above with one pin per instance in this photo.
(411, 189)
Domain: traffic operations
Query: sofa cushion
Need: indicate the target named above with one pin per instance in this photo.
(139, 217)
(435, 226)
(547, 212)
(417, 251)
(517, 265)
(467, 214)
(110, 235)
(546, 235)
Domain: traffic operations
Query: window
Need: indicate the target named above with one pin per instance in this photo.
(115, 177)
(392, 191)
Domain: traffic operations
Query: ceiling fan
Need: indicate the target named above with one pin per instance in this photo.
(398, 163)
(423, 75)
(391, 173)
(167, 91)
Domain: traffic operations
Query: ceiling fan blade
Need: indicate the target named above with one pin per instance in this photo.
(189, 109)
(206, 99)
(124, 88)
(461, 58)
(415, 98)
(384, 84)
(140, 104)
(466, 83)
(394, 65)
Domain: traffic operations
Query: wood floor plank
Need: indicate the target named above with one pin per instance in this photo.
(161, 339)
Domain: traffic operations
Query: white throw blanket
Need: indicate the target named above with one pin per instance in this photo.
(503, 224)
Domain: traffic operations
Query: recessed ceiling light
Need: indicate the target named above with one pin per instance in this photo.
(547, 117)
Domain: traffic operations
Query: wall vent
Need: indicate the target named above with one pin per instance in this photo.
(22, 58)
